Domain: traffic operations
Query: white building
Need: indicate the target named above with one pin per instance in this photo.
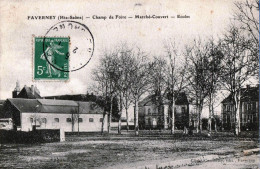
(71, 116)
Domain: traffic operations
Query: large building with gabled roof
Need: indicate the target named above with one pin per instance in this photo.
(69, 115)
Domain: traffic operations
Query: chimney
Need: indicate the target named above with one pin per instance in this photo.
(16, 90)
(32, 89)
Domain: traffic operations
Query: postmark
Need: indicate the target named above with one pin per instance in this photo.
(81, 44)
(54, 54)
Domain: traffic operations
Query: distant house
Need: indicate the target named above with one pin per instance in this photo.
(71, 116)
(249, 110)
(154, 116)
(26, 92)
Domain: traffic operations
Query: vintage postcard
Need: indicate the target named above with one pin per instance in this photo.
(141, 84)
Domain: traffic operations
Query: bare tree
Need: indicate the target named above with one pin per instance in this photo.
(213, 66)
(158, 85)
(235, 67)
(126, 53)
(104, 85)
(247, 15)
(139, 79)
(114, 76)
(74, 118)
(176, 70)
(197, 75)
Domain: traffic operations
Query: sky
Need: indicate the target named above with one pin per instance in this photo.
(207, 18)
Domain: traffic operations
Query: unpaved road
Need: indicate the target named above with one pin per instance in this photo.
(124, 152)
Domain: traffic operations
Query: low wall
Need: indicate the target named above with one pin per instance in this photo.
(38, 136)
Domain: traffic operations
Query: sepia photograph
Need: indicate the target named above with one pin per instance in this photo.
(130, 84)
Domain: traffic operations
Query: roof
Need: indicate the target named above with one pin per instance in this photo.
(80, 97)
(28, 93)
(89, 108)
(54, 106)
(25, 105)
(49, 102)
(247, 94)
(145, 100)
(151, 99)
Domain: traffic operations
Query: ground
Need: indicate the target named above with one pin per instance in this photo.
(152, 149)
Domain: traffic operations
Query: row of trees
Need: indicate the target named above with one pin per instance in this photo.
(121, 75)
(202, 68)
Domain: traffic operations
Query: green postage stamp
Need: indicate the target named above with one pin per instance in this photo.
(51, 58)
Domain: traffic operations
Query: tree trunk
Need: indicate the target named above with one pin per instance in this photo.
(126, 111)
(72, 122)
(237, 111)
(198, 123)
(120, 113)
(103, 122)
(78, 125)
(210, 114)
(209, 120)
(136, 118)
(197, 115)
(119, 125)
(210, 124)
(216, 130)
(78, 119)
(198, 118)
(201, 118)
(165, 112)
(173, 115)
(199, 130)
(110, 115)
(212, 108)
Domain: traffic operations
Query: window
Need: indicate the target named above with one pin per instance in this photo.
(57, 120)
(80, 120)
(149, 111)
(68, 119)
(183, 110)
(228, 107)
(44, 120)
(254, 118)
(91, 120)
(246, 118)
(101, 120)
(249, 119)
(248, 106)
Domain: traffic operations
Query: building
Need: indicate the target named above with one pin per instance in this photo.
(154, 116)
(26, 92)
(248, 108)
(71, 116)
